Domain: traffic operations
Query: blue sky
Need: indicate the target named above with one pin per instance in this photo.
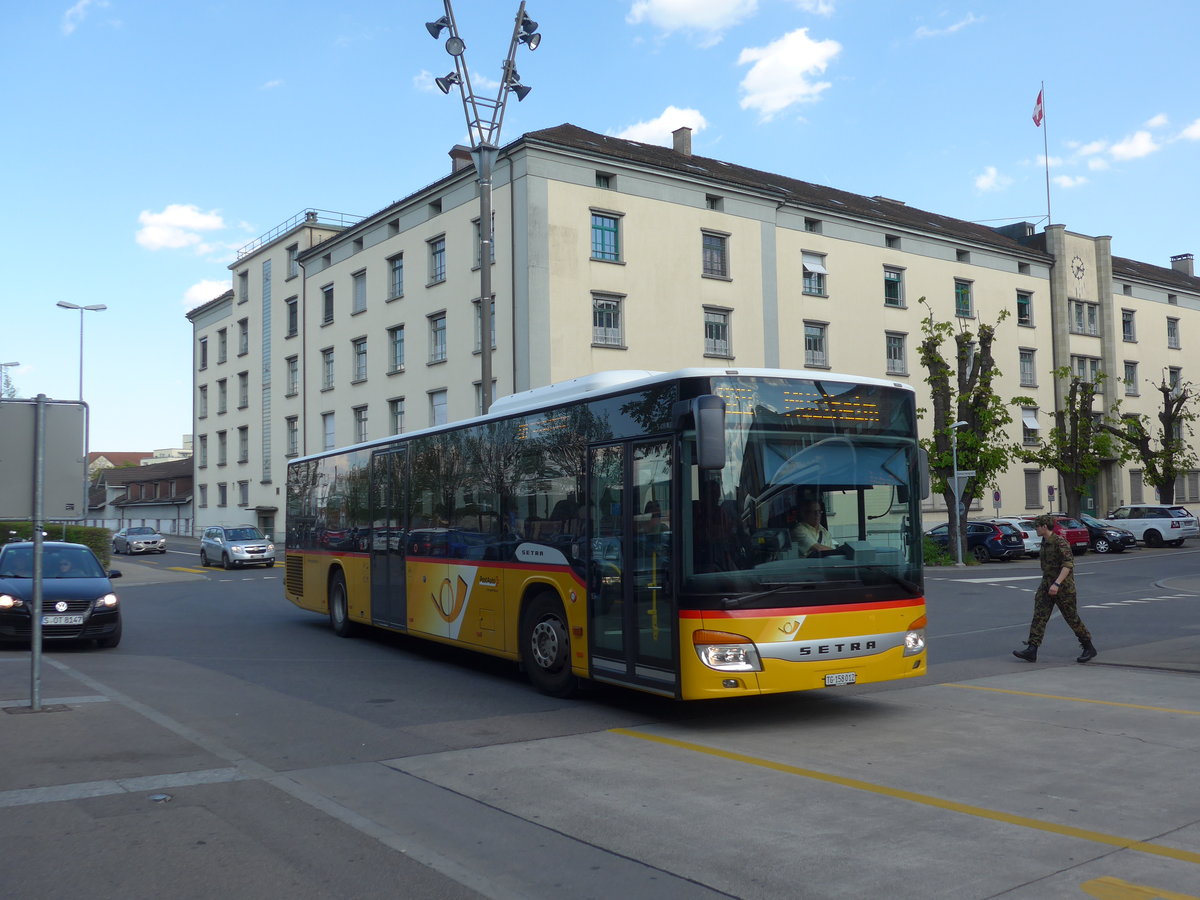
(148, 140)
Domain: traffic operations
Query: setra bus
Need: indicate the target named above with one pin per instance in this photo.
(636, 528)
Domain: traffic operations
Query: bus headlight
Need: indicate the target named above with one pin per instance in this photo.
(914, 639)
(726, 652)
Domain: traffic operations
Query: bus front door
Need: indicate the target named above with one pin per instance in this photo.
(388, 539)
(631, 603)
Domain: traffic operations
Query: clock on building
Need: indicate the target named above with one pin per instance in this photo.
(1078, 268)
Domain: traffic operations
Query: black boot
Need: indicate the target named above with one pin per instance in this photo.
(1029, 654)
(1089, 652)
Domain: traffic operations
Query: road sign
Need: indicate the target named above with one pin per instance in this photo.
(64, 450)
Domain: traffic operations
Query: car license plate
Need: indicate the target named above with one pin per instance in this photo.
(841, 678)
(62, 620)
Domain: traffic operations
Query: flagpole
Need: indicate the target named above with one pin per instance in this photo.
(1046, 152)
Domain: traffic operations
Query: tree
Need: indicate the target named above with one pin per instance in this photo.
(1174, 455)
(1078, 443)
(965, 392)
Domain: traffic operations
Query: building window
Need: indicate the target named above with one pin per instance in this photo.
(893, 286)
(243, 444)
(1024, 308)
(1085, 317)
(1172, 299)
(396, 349)
(491, 241)
(1131, 379)
(327, 431)
(1086, 367)
(606, 237)
(243, 337)
(1030, 429)
(964, 308)
(1127, 290)
(396, 415)
(1022, 268)
(222, 397)
(202, 452)
(1135, 486)
(437, 407)
(962, 256)
(327, 369)
(222, 448)
(204, 495)
(293, 375)
(1174, 376)
(714, 202)
(814, 345)
(1173, 333)
(396, 276)
(243, 287)
(1028, 368)
(716, 261)
(292, 430)
(716, 333)
(437, 338)
(358, 347)
(814, 274)
(360, 424)
(607, 321)
(1128, 328)
(1033, 489)
(203, 353)
(604, 180)
(478, 309)
(292, 316)
(891, 241)
(222, 494)
(897, 357)
(243, 493)
(812, 226)
(293, 260)
(202, 402)
(358, 296)
(437, 260)
(327, 304)
(222, 346)
(243, 390)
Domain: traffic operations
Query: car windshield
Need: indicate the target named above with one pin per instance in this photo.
(1006, 528)
(1069, 523)
(243, 534)
(1180, 513)
(140, 531)
(57, 563)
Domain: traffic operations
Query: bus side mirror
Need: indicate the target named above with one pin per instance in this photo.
(923, 471)
(708, 412)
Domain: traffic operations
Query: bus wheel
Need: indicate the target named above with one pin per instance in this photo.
(339, 607)
(546, 646)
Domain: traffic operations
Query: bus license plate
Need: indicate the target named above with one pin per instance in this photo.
(841, 678)
(62, 620)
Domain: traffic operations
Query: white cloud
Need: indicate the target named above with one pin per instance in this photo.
(1054, 160)
(816, 7)
(658, 131)
(77, 13)
(1137, 145)
(991, 180)
(203, 291)
(1097, 163)
(924, 32)
(712, 16)
(1157, 121)
(423, 81)
(781, 70)
(1192, 132)
(1069, 181)
(271, 85)
(1092, 148)
(177, 226)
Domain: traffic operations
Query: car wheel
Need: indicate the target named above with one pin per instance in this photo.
(546, 646)
(225, 563)
(1102, 545)
(203, 557)
(981, 554)
(1178, 543)
(111, 640)
(1153, 538)
(339, 607)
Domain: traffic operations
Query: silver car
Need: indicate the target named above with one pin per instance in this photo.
(234, 546)
(141, 539)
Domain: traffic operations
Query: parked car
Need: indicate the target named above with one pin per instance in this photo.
(1107, 538)
(1074, 531)
(235, 546)
(77, 595)
(985, 540)
(140, 539)
(1155, 524)
(1024, 524)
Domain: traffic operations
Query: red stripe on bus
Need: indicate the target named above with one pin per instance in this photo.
(796, 610)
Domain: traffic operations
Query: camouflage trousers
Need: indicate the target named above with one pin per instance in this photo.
(1043, 606)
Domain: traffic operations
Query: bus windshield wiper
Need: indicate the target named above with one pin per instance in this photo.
(735, 602)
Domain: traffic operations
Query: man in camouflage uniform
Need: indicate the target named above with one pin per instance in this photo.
(1057, 589)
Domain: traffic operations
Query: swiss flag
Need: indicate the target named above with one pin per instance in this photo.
(1039, 111)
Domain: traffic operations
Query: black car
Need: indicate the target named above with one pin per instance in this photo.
(985, 540)
(1107, 538)
(77, 597)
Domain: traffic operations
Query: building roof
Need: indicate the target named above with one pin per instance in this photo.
(172, 468)
(119, 457)
(787, 190)
(1133, 270)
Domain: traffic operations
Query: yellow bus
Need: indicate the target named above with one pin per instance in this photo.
(637, 528)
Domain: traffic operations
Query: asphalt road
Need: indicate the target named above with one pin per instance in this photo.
(298, 764)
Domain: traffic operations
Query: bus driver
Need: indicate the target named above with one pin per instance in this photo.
(808, 534)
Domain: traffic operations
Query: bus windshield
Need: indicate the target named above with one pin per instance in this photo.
(814, 497)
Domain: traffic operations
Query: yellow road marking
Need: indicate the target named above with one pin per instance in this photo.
(976, 687)
(1109, 888)
(980, 812)
(185, 569)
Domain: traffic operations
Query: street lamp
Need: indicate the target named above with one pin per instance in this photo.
(4, 382)
(82, 309)
(957, 491)
(484, 120)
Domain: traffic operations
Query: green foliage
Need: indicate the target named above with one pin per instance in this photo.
(1174, 455)
(98, 539)
(936, 554)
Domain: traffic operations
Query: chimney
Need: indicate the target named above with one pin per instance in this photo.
(683, 140)
(1182, 263)
(461, 156)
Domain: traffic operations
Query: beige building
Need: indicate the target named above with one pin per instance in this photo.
(611, 254)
